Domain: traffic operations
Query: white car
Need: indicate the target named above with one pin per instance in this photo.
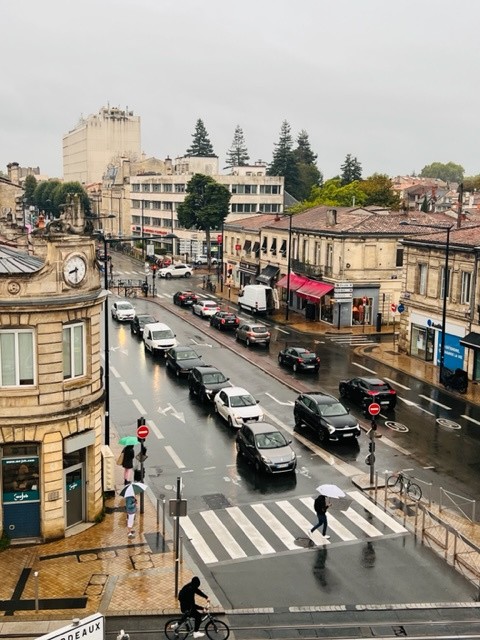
(205, 308)
(203, 259)
(122, 311)
(175, 271)
(237, 406)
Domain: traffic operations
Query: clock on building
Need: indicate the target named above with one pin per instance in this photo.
(74, 269)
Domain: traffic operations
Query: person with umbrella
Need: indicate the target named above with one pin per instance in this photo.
(129, 492)
(321, 505)
(128, 457)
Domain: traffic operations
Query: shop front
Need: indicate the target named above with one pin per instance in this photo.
(75, 451)
(21, 490)
(472, 342)
(248, 272)
(311, 297)
(426, 341)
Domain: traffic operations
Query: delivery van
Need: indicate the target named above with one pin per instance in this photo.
(257, 299)
(158, 338)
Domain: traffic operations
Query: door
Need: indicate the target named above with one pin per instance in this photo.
(74, 495)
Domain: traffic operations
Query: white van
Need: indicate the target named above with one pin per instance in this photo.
(158, 338)
(257, 298)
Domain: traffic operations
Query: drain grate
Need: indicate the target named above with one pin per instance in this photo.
(217, 501)
(397, 631)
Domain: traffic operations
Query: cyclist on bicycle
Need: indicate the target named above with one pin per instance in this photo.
(188, 606)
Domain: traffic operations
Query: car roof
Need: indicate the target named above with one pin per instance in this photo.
(155, 326)
(322, 398)
(256, 324)
(183, 348)
(186, 291)
(145, 315)
(207, 369)
(261, 427)
(210, 302)
(125, 303)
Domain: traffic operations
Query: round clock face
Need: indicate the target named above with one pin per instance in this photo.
(74, 270)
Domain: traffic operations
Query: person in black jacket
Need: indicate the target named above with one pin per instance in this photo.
(127, 464)
(188, 606)
(320, 505)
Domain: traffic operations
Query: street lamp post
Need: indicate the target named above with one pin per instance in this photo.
(141, 233)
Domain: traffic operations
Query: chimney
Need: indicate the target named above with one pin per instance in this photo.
(460, 205)
(14, 172)
(331, 217)
(168, 166)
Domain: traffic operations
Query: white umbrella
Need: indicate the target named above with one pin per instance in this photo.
(331, 491)
(133, 489)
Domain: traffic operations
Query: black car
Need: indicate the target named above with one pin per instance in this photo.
(266, 448)
(364, 391)
(224, 321)
(299, 359)
(184, 298)
(205, 382)
(326, 416)
(137, 324)
(182, 360)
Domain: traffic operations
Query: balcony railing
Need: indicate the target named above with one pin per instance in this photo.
(311, 270)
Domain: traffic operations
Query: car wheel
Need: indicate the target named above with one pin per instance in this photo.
(168, 276)
(237, 338)
(280, 360)
(187, 275)
(295, 368)
(239, 449)
(177, 373)
(298, 420)
(258, 468)
(343, 390)
(247, 342)
(322, 435)
(230, 423)
(191, 391)
(204, 398)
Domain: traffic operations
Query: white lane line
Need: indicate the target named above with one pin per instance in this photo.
(252, 533)
(439, 404)
(276, 526)
(287, 403)
(362, 524)
(365, 368)
(174, 457)
(281, 330)
(469, 418)
(155, 429)
(303, 523)
(115, 372)
(139, 407)
(223, 535)
(337, 527)
(199, 544)
(397, 384)
(392, 524)
(126, 388)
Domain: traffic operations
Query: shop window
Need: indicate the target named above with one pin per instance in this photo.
(20, 477)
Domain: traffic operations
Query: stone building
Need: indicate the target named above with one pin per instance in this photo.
(51, 386)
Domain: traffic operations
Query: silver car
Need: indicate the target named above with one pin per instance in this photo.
(253, 333)
(123, 311)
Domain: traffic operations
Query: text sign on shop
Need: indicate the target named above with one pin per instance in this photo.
(91, 628)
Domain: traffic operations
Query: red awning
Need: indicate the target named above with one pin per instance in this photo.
(314, 289)
(295, 281)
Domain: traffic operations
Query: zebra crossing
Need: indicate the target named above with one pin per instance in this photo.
(269, 528)
(351, 340)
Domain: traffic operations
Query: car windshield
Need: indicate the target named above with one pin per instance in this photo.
(259, 329)
(242, 401)
(126, 306)
(186, 355)
(161, 335)
(145, 319)
(334, 409)
(213, 305)
(378, 387)
(272, 440)
(212, 378)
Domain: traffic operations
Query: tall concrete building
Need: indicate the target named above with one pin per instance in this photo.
(96, 140)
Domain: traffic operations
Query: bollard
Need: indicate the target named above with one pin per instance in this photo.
(181, 550)
(163, 524)
(35, 575)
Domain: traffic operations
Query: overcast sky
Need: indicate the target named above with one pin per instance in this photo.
(394, 84)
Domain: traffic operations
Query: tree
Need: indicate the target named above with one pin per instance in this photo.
(449, 172)
(332, 194)
(205, 206)
(303, 152)
(43, 195)
(30, 185)
(237, 155)
(308, 174)
(351, 170)
(424, 207)
(284, 162)
(470, 183)
(201, 145)
(61, 193)
(379, 191)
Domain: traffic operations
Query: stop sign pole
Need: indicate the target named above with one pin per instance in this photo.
(142, 433)
(373, 409)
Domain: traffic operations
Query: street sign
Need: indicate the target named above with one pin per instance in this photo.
(374, 409)
(91, 628)
(393, 307)
(142, 431)
(401, 308)
(177, 508)
(370, 459)
(219, 238)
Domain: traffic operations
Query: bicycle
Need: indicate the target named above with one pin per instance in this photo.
(398, 482)
(184, 627)
(130, 293)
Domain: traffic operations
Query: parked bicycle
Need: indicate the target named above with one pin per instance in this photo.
(184, 627)
(130, 293)
(400, 483)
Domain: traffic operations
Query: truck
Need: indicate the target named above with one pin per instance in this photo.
(258, 299)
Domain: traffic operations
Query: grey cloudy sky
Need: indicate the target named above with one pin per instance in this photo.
(394, 84)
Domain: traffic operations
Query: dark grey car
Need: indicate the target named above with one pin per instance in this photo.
(205, 382)
(266, 448)
(326, 416)
(182, 360)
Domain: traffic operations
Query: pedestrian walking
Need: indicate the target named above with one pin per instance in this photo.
(320, 505)
(127, 463)
(131, 509)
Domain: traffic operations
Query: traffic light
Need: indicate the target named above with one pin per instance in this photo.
(371, 447)
(374, 424)
(140, 422)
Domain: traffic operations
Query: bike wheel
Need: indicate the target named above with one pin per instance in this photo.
(394, 483)
(180, 631)
(217, 630)
(414, 491)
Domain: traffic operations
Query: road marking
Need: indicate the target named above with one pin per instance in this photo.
(302, 522)
(365, 368)
(439, 404)
(176, 414)
(155, 429)
(252, 533)
(397, 384)
(276, 526)
(139, 407)
(281, 330)
(410, 403)
(342, 532)
(362, 524)
(197, 540)
(387, 520)
(289, 403)
(223, 535)
(174, 457)
(126, 388)
(469, 418)
(115, 372)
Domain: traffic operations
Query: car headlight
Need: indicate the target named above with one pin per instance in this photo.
(266, 460)
(209, 392)
(330, 429)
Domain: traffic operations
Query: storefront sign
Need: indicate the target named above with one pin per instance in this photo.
(454, 352)
(248, 267)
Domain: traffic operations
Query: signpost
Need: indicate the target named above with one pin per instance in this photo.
(142, 433)
(373, 409)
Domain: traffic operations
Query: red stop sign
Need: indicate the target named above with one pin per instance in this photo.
(142, 431)
(373, 409)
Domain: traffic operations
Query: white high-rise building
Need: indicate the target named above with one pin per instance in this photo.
(97, 140)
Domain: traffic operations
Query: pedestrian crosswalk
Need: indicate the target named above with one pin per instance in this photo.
(351, 340)
(269, 528)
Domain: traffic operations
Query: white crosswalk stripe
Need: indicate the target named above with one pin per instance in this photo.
(252, 530)
(352, 340)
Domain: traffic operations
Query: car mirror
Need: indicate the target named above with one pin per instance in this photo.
(258, 401)
(289, 442)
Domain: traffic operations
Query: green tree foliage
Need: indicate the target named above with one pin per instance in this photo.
(43, 195)
(30, 185)
(205, 206)
(449, 172)
(470, 183)
(303, 153)
(333, 193)
(237, 155)
(424, 206)
(379, 191)
(351, 170)
(308, 174)
(284, 162)
(201, 145)
(61, 193)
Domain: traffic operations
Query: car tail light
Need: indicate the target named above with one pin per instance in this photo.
(392, 391)
(250, 334)
(372, 393)
(299, 360)
(317, 359)
(222, 321)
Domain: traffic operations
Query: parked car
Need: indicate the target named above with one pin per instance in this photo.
(175, 271)
(299, 359)
(205, 308)
(253, 333)
(224, 320)
(236, 405)
(266, 448)
(326, 415)
(122, 311)
(182, 360)
(158, 338)
(205, 382)
(364, 391)
(203, 259)
(184, 298)
(137, 324)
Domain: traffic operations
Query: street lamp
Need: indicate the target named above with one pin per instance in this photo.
(446, 286)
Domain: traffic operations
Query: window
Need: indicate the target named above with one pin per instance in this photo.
(466, 291)
(16, 358)
(273, 246)
(135, 188)
(135, 204)
(329, 255)
(244, 188)
(179, 188)
(244, 208)
(167, 206)
(269, 208)
(270, 189)
(73, 351)
(399, 259)
(167, 188)
(146, 188)
(283, 248)
(156, 187)
(442, 283)
(247, 246)
(422, 279)
(264, 245)
(157, 204)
